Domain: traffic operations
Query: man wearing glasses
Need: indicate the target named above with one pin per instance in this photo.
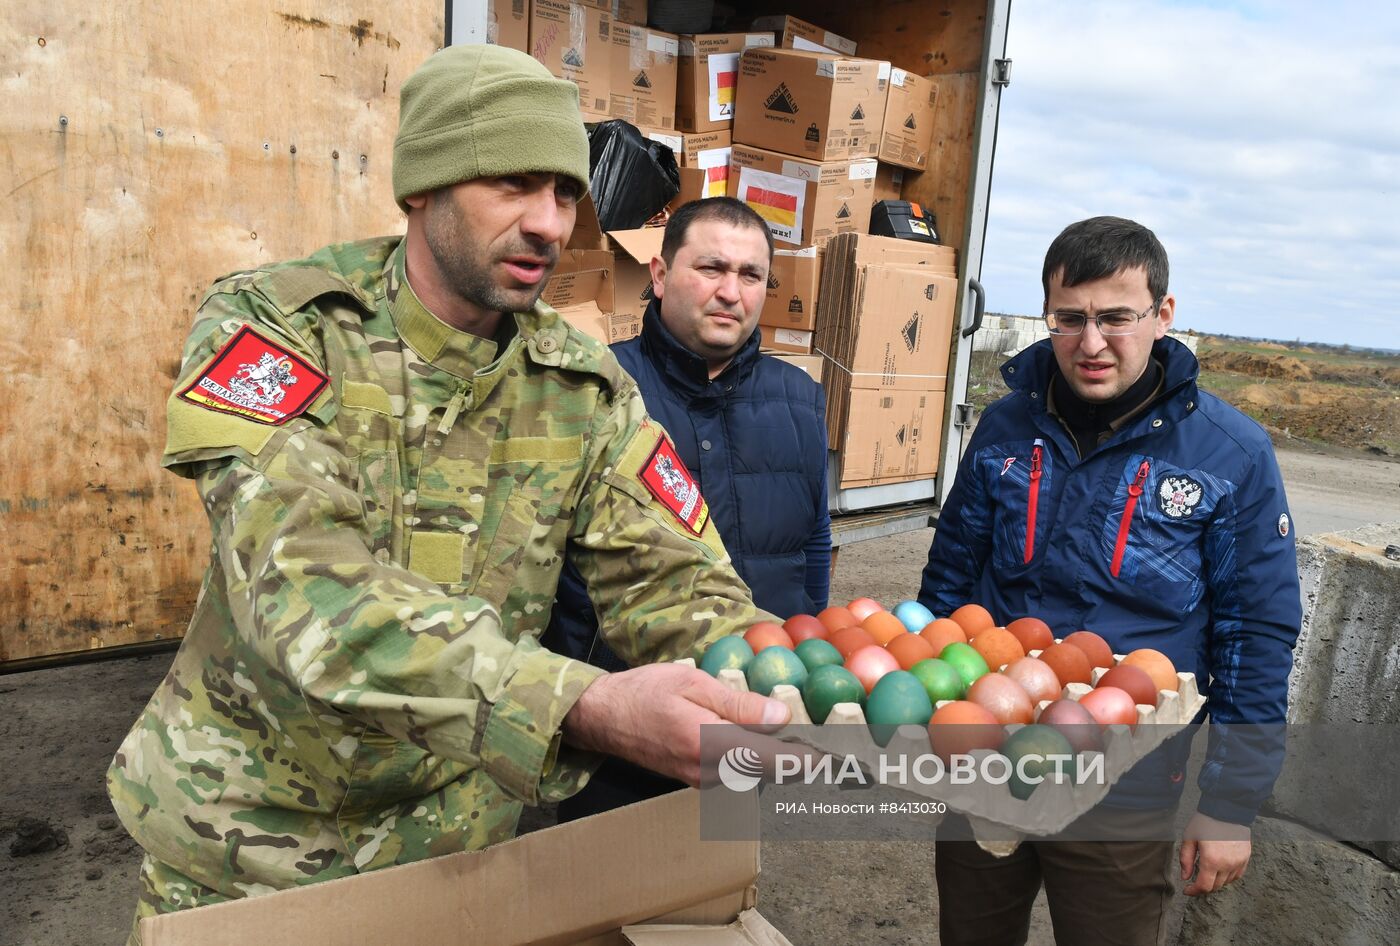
(1107, 492)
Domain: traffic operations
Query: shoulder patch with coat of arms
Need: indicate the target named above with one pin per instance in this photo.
(666, 477)
(1178, 496)
(257, 379)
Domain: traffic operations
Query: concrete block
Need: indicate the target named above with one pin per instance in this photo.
(1299, 887)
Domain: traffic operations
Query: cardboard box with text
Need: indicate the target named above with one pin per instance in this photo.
(818, 106)
(574, 41)
(704, 162)
(908, 128)
(892, 437)
(810, 364)
(508, 24)
(799, 34)
(785, 339)
(708, 77)
(630, 11)
(805, 204)
(644, 63)
(793, 281)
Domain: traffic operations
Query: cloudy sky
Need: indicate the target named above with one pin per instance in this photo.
(1259, 139)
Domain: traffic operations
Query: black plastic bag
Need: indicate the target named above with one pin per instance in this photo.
(633, 178)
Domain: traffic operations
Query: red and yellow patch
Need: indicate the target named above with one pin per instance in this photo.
(257, 379)
(671, 483)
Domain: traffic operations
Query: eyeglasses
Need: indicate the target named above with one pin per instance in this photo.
(1112, 322)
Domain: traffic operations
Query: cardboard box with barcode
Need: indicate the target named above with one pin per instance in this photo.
(508, 24)
(574, 41)
(799, 34)
(818, 106)
(885, 315)
(590, 882)
(910, 106)
(804, 203)
(644, 64)
(704, 162)
(708, 77)
(794, 279)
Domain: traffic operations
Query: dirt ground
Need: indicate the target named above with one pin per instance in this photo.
(59, 727)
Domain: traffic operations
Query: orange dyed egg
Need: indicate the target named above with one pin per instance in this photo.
(884, 627)
(1094, 647)
(1003, 698)
(1068, 662)
(862, 608)
(998, 647)
(1157, 665)
(1033, 633)
(1036, 678)
(767, 634)
(1110, 706)
(909, 649)
(869, 664)
(801, 627)
(973, 618)
(848, 640)
(1132, 680)
(835, 618)
(961, 726)
(943, 631)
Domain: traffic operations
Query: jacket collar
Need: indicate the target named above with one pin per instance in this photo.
(687, 371)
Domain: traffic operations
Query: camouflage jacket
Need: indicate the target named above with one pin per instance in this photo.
(361, 683)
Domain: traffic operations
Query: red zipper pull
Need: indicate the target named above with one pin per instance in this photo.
(1032, 501)
(1134, 491)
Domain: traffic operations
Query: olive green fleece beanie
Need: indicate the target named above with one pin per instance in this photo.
(484, 111)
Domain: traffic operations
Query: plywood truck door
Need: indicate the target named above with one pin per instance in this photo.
(149, 148)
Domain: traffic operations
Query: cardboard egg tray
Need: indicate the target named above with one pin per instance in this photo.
(999, 820)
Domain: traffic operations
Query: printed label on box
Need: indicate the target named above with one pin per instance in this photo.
(724, 76)
(799, 169)
(862, 170)
(758, 39)
(897, 76)
(778, 200)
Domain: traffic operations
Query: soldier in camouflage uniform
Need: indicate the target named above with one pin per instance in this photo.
(393, 465)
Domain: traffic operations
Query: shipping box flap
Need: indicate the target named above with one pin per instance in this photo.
(558, 886)
(588, 233)
(581, 276)
(750, 929)
(892, 252)
(641, 244)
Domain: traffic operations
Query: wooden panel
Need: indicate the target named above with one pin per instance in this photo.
(149, 148)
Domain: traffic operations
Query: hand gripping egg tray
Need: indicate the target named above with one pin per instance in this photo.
(999, 820)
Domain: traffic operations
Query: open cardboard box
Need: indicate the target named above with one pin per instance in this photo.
(577, 884)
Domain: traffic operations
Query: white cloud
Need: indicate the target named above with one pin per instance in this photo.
(1260, 141)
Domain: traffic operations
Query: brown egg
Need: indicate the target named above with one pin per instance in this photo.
(973, 618)
(909, 649)
(1131, 680)
(1110, 706)
(883, 626)
(767, 634)
(1075, 723)
(961, 726)
(1094, 647)
(1157, 665)
(1036, 678)
(862, 608)
(801, 627)
(1068, 662)
(836, 618)
(1002, 697)
(848, 640)
(941, 632)
(1033, 633)
(998, 647)
(869, 664)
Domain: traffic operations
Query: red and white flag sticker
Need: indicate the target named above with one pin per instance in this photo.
(257, 379)
(672, 485)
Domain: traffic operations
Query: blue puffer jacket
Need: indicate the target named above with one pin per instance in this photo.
(754, 438)
(1174, 534)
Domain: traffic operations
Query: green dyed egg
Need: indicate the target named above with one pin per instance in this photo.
(1042, 743)
(966, 661)
(941, 679)
(828, 685)
(897, 699)
(773, 666)
(816, 652)
(727, 653)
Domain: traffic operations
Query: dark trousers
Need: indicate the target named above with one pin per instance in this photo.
(1099, 892)
(616, 783)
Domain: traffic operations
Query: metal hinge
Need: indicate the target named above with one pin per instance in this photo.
(1001, 72)
(962, 415)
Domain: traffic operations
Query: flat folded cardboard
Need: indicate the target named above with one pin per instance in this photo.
(794, 279)
(574, 41)
(891, 437)
(574, 884)
(708, 77)
(799, 34)
(785, 340)
(804, 203)
(644, 63)
(508, 24)
(818, 106)
(900, 331)
(908, 127)
(751, 928)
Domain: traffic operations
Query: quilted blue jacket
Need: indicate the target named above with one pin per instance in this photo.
(1174, 534)
(754, 438)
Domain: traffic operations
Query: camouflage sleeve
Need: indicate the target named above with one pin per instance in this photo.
(656, 570)
(349, 630)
